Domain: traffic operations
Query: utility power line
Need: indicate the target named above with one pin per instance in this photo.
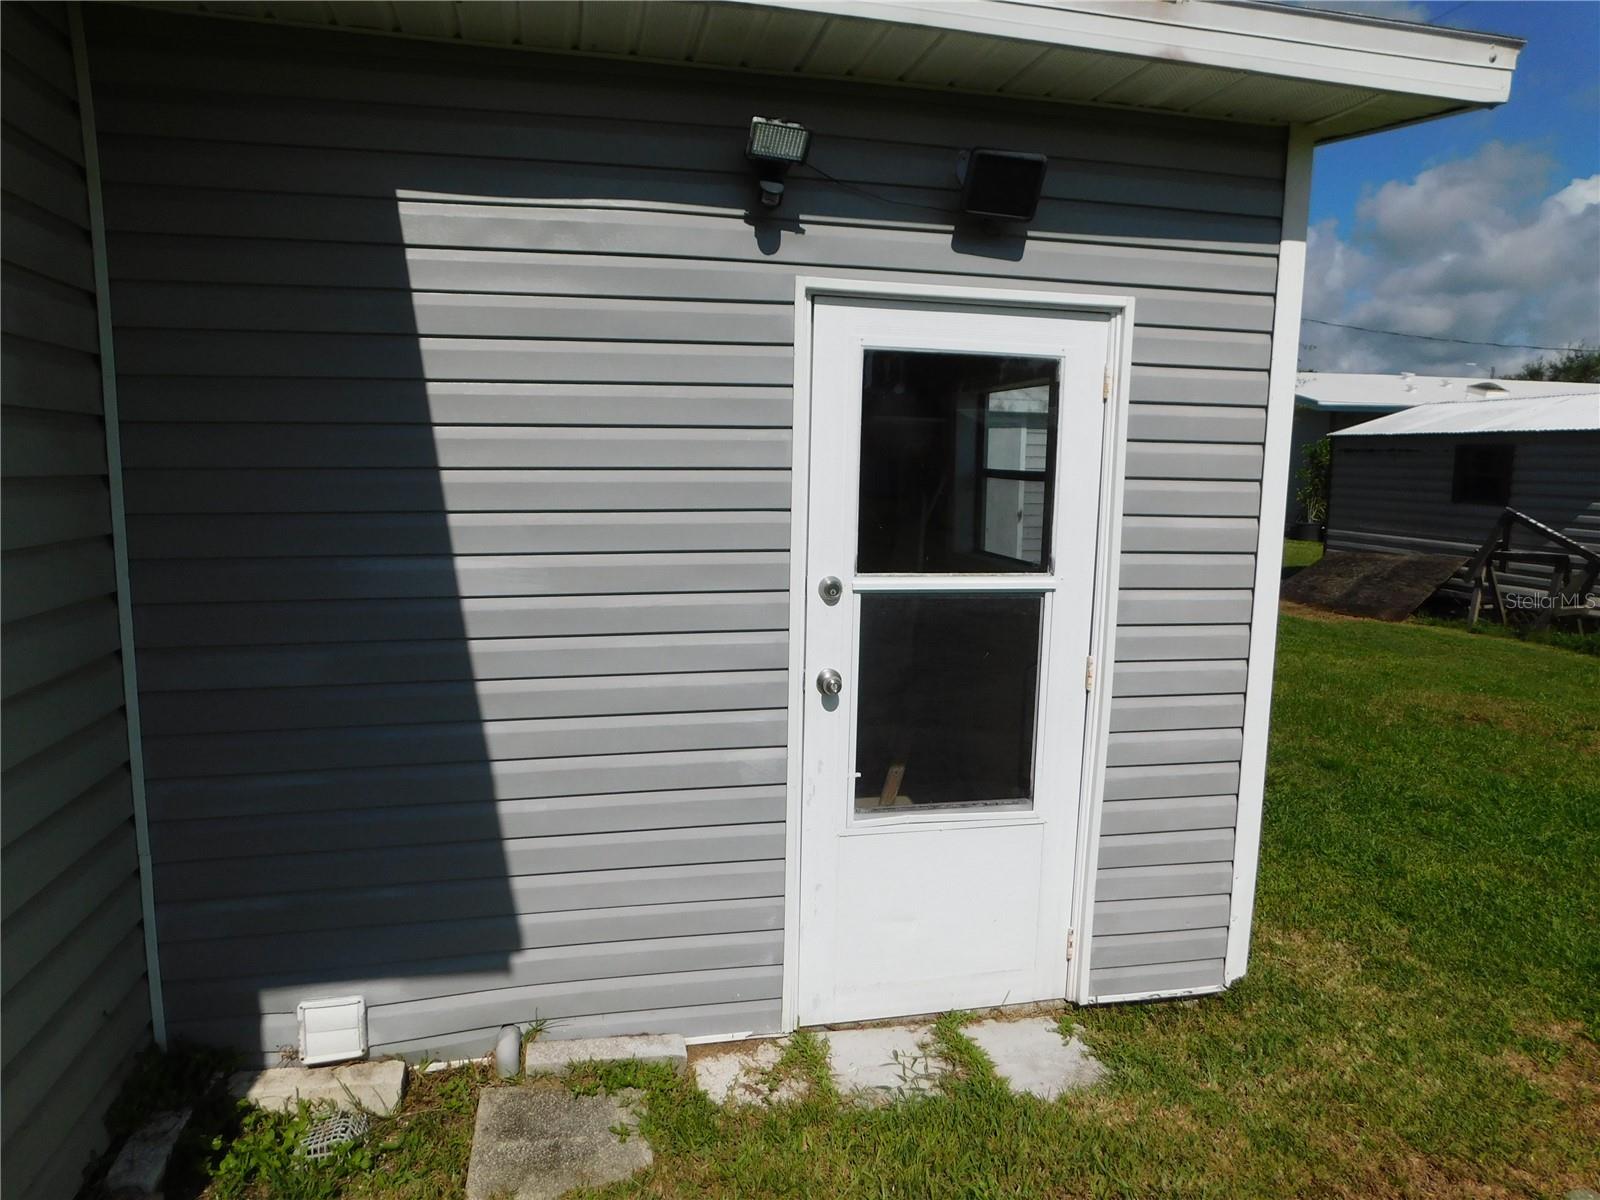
(1428, 337)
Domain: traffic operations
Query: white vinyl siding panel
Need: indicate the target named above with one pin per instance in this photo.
(456, 400)
(76, 1002)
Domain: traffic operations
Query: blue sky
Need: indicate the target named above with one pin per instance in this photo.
(1485, 225)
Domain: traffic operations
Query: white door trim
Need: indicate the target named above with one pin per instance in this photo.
(1108, 540)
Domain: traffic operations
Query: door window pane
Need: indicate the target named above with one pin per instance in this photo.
(957, 462)
(946, 703)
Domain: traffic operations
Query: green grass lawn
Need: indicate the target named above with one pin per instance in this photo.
(1419, 1019)
(1297, 554)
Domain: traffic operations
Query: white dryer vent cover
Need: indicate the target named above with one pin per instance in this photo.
(332, 1029)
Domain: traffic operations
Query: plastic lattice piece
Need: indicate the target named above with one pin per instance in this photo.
(326, 1138)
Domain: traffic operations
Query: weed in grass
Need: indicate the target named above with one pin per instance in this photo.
(264, 1157)
(805, 1058)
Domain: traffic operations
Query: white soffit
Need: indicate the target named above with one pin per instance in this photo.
(1236, 60)
(1552, 414)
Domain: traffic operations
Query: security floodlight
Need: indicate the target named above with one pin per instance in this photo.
(774, 147)
(774, 141)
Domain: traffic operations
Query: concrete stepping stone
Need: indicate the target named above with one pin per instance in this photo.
(737, 1074)
(535, 1143)
(141, 1164)
(1033, 1057)
(882, 1063)
(374, 1087)
(559, 1055)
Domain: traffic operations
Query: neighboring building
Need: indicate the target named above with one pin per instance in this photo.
(1433, 479)
(442, 501)
(1326, 402)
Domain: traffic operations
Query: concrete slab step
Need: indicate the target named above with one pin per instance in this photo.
(883, 1062)
(141, 1165)
(737, 1073)
(1033, 1057)
(374, 1087)
(536, 1143)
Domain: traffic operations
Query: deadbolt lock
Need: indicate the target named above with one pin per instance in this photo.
(830, 589)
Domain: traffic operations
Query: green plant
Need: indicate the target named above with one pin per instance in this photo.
(1313, 479)
(265, 1156)
(534, 1031)
(458, 1093)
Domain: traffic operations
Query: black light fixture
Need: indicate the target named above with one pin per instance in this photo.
(1002, 185)
(774, 147)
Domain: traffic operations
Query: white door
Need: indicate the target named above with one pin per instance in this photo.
(954, 482)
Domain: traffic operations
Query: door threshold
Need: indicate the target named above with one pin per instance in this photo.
(993, 1012)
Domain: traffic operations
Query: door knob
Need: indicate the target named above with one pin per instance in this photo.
(829, 682)
(830, 589)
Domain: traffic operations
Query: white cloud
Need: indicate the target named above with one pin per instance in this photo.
(1478, 248)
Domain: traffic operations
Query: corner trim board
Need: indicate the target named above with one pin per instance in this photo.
(1269, 548)
(119, 519)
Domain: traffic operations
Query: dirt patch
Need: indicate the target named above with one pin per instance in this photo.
(744, 1046)
(1292, 608)
(1572, 1075)
(1416, 1177)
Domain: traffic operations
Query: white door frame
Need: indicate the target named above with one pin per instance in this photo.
(1108, 541)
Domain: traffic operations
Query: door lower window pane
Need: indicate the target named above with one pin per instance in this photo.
(947, 700)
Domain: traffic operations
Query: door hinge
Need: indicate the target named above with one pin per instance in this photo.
(1105, 385)
(1088, 674)
(1072, 943)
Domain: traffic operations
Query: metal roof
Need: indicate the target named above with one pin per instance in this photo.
(1575, 413)
(1337, 73)
(1329, 391)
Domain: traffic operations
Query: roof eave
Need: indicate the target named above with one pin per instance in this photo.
(1335, 74)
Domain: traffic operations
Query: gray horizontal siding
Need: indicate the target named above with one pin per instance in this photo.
(76, 1004)
(495, 617)
(253, 874)
(1166, 976)
(1392, 495)
(248, 709)
(336, 949)
(1160, 915)
(738, 999)
(457, 976)
(423, 825)
(258, 490)
(470, 533)
(213, 668)
(473, 785)
(456, 401)
(286, 916)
